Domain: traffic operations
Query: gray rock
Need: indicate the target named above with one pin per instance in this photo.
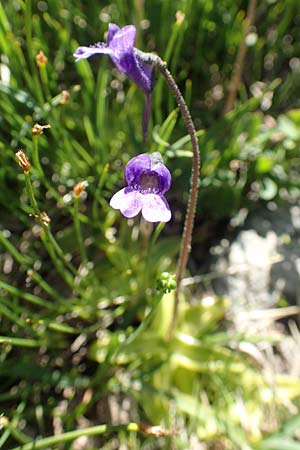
(262, 263)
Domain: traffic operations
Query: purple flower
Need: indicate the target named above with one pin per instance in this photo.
(126, 58)
(147, 179)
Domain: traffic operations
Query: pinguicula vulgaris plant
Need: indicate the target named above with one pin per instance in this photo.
(146, 176)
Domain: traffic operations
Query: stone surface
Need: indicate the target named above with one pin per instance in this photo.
(262, 263)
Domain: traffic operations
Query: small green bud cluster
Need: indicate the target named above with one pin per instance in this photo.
(166, 282)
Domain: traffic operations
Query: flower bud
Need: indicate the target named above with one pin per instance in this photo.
(179, 17)
(3, 421)
(23, 161)
(37, 129)
(41, 59)
(166, 282)
(79, 188)
(65, 96)
(44, 218)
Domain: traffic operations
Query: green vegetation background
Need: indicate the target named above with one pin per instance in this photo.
(72, 297)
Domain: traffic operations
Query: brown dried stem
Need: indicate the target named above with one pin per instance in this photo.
(240, 59)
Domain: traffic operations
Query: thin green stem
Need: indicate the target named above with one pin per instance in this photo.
(56, 261)
(35, 156)
(12, 316)
(26, 262)
(34, 299)
(18, 257)
(59, 251)
(20, 342)
(51, 441)
(98, 190)
(240, 59)
(35, 276)
(78, 231)
(17, 434)
(47, 238)
(37, 165)
(143, 325)
(29, 46)
(31, 196)
(45, 81)
(34, 204)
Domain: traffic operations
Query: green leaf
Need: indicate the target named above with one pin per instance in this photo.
(278, 443)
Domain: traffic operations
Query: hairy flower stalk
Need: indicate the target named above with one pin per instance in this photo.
(186, 239)
(185, 247)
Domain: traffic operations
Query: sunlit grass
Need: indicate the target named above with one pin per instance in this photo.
(83, 327)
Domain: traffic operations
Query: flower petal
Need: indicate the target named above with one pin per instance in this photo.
(121, 43)
(135, 167)
(122, 40)
(112, 29)
(155, 208)
(127, 201)
(86, 52)
(164, 177)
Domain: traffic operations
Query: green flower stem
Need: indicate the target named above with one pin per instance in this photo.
(44, 180)
(5, 310)
(60, 252)
(22, 260)
(240, 58)
(148, 254)
(34, 299)
(57, 262)
(51, 441)
(48, 235)
(20, 342)
(45, 81)
(47, 238)
(29, 47)
(25, 261)
(17, 434)
(35, 276)
(31, 196)
(143, 325)
(14, 423)
(35, 156)
(99, 187)
(78, 231)
(173, 39)
(156, 233)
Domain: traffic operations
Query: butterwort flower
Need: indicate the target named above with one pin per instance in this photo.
(147, 181)
(127, 59)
